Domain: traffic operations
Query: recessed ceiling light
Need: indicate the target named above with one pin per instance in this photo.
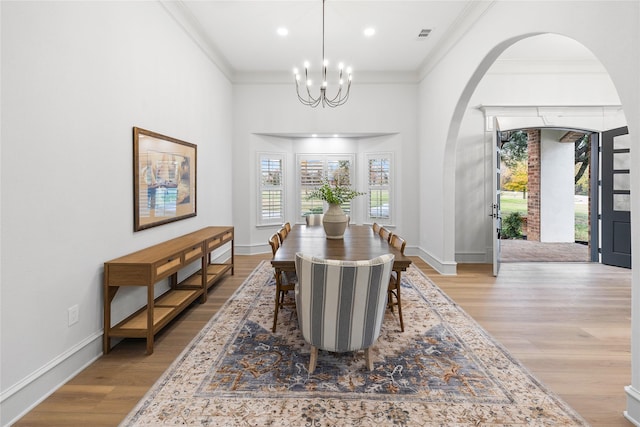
(335, 135)
(283, 31)
(369, 31)
(314, 135)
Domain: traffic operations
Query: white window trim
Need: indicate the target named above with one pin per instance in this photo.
(260, 220)
(380, 155)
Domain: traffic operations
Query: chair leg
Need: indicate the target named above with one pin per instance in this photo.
(368, 358)
(275, 310)
(399, 307)
(313, 359)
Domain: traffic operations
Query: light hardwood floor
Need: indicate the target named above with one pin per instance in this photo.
(568, 323)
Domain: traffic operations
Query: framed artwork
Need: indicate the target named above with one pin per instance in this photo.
(164, 179)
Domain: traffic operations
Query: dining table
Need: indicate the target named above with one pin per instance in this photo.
(360, 242)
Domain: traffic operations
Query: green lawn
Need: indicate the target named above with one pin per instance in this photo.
(515, 203)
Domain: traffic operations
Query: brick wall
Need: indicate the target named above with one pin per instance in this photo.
(533, 203)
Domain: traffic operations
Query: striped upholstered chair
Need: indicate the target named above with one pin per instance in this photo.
(341, 304)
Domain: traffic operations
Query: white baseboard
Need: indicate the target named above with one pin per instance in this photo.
(252, 249)
(448, 268)
(471, 257)
(23, 396)
(633, 405)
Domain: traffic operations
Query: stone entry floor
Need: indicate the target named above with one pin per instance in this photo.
(529, 251)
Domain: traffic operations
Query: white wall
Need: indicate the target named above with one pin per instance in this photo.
(449, 84)
(275, 109)
(557, 188)
(76, 77)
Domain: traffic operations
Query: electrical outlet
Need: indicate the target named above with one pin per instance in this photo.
(74, 314)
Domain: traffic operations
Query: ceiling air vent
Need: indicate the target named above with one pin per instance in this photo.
(423, 34)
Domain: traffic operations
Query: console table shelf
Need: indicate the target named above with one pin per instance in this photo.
(151, 265)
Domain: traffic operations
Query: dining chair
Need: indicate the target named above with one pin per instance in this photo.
(341, 304)
(286, 283)
(385, 234)
(314, 219)
(282, 234)
(376, 228)
(394, 284)
(287, 226)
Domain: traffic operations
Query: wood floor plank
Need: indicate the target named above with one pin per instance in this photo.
(569, 324)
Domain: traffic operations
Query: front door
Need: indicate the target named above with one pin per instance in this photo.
(495, 206)
(616, 198)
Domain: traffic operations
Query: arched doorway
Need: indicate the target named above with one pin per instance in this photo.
(524, 97)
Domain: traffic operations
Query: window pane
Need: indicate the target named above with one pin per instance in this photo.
(379, 203)
(622, 160)
(311, 173)
(271, 204)
(621, 202)
(621, 181)
(309, 206)
(339, 172)
(621, 142)
(378, 171)
(271, 171)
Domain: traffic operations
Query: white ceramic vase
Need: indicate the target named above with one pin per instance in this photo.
(335, 222)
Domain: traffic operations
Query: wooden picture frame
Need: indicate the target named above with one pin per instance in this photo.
(164, 179)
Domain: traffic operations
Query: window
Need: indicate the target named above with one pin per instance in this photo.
(271, 189)
(379, 187)
(313, 169)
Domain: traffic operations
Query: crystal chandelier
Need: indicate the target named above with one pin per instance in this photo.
(341, 95)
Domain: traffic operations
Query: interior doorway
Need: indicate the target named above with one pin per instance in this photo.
(545, 195)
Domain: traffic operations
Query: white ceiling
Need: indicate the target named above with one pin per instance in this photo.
(242, 34)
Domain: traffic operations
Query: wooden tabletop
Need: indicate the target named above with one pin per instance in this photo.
(359, 243)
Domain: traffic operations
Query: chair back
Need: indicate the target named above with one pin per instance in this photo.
(385, 234)
(314, 219)
(376, 228)
(287, 226)
(282, 233)
(274, 241)
(341, 304)
(398, 242)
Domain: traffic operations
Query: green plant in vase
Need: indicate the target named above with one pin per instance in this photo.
(335, 220)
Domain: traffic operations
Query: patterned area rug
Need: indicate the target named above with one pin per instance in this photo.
(444, 370)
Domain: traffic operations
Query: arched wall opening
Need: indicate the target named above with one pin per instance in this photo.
(522, 94)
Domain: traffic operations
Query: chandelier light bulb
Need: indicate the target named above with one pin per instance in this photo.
(306, 65)
(309, 82)
(325, 62)
(340, 66)
(324, 83)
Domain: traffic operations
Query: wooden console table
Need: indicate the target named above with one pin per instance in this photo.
(148, 266)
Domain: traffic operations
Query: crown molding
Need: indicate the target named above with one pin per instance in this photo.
(361, 78)
(192, 26)
(472, 12)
